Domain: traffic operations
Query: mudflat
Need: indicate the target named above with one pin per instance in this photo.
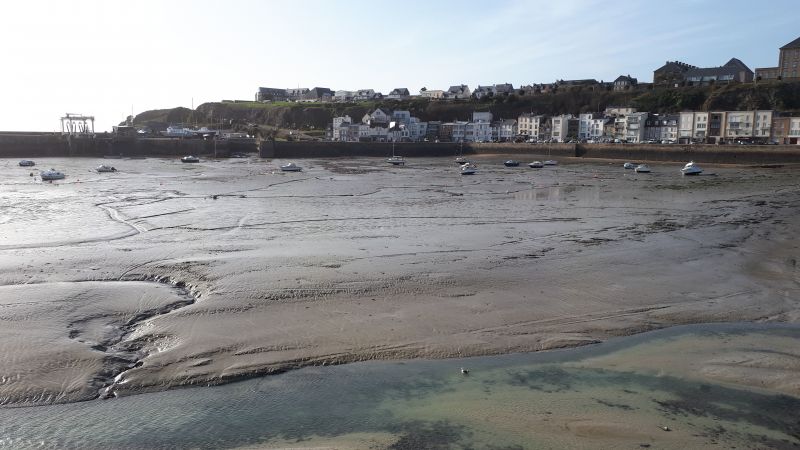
(166, 274)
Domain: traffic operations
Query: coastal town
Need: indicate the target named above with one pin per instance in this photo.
(614, 124)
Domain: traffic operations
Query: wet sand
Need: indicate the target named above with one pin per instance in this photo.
(167, 274)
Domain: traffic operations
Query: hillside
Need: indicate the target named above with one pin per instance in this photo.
(275, 119)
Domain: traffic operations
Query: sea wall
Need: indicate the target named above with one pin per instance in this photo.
(282, 149)
(33, 145)
(719, 154)
(39, 145)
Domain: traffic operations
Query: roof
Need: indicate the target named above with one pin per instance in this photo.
(794, 44)
(399, 91)
(737, 64)
(675, 66)
(627, 78)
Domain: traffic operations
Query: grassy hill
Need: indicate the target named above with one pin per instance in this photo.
(274, 119)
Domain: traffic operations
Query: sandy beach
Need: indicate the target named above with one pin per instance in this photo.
(167, 274)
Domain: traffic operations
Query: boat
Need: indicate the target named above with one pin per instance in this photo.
(536, 165)
(52, 174)
(642, 168)
(691, 169)
(551, 162)
(468, 169)
(460, 158)
(511, 163)
(105, 168)
(27, 163)
(190, 159)
(629, 165)
(396, 160)
(291, 167)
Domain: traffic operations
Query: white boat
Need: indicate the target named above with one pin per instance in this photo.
(27, 163)
(511, 163)
(190, 159)
(536, 165)
(551, 162)
(291, 167)
(629, 165)
(396, 160)
(460, 158)
(642, 168)
(52, 174)
(469, 169)
(105, 168)
(691, 169)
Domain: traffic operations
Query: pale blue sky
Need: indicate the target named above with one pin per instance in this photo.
(107, 57)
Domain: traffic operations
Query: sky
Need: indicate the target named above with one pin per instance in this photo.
(109, 58)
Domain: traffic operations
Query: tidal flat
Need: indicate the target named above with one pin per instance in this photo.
(166, 275)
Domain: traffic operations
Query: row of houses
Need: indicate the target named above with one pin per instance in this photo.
(615, 124)
(672, 73)
(453, 93)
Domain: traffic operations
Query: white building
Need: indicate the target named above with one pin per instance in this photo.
(343, 96)
(693, 126)
(634, 127)
(434, 94)
(559, 127)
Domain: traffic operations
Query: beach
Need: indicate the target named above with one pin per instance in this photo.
(166, 274)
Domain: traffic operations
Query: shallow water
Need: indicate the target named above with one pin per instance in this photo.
(556, 399)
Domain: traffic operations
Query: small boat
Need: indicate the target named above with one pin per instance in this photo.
(469, 169)
(642, 168)
(536, 165)
(460, 158)
(551, 162)
(190, 159)
(691, 169)
(239, 155)
(52, 174)
(511, 163)
(26, 163)
(396, 160)
(629, 165)
(105, 168)
(291, 167)
(465, 371)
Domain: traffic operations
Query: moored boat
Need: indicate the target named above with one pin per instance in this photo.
(469, 169)
(629, 165)
(291, 167)
(642, 168)
(396, 160)
(27, 163)
(511, 163)
(536, 165)
(105, 168)
(52, 174)
(190, 159)
(691, 169)
(551, 162)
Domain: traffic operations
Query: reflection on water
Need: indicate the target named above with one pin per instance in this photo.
(561, 399)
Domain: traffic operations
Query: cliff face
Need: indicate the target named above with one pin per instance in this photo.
(316, 116)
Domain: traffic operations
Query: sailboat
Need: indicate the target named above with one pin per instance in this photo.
(460, 158)
(396, 160)
(550, 162)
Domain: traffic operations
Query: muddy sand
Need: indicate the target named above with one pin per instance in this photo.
(167, 274)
